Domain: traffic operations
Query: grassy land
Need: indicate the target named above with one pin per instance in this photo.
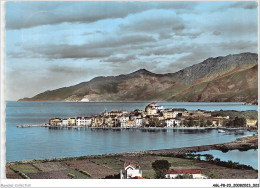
(94, 167)
(24, 168)
(109, 162)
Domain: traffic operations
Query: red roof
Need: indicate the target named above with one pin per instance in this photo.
(185, 171)
(137, 177)
(127, 164)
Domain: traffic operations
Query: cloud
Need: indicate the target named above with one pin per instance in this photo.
(244, 5)
(153, 21)
(95, 49)
(121, 59)
(216, 33)
(31, 14)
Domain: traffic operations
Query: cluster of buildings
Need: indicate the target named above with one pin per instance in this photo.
(133, 171)
(154, 115)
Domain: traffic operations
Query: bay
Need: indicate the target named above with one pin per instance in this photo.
(41, 143)
(243, 157)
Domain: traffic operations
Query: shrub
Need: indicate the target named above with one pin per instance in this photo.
(71, 175)
(24, 175)
(84, 172)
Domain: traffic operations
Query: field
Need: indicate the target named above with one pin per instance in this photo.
(103, 166)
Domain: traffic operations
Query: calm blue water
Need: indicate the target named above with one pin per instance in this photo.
(243, 157)
(41, 143)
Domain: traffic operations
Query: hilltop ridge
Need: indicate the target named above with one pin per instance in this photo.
(231, 78)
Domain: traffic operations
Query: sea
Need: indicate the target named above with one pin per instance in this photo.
(44, 143)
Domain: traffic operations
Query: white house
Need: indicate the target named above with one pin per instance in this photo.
(193, 173)
(138, 122)
(123, 120)
(85, 121)
(65, 122)
(131, 170)
(172, 122)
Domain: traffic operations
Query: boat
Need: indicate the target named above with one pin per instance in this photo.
(221, 131)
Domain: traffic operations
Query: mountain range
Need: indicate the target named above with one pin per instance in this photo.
(233, 78)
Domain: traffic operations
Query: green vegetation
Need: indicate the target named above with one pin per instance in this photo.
(160, 167)
(109, 162)
(77, 174)
(237, 122)
(148, 174)
(211, 173)
(72, 175)
(84, 172)
(58, 94)
(108, 87)
(156, 123)
(24, 168)
(178, 161)
(232, 114)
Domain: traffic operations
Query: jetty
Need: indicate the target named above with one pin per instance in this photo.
(32, 125)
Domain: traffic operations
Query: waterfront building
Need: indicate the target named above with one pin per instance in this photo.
(139, 122)
(173, 122)
(122, 120)
(97, 121)
(130, 171)
(111, 121)
(64, 122)
(130, 123)
(55, 121)
(189, 173)
(83, 121)
(251, 122)
(71, 121)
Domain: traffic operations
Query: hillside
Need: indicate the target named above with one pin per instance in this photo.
(229, 78)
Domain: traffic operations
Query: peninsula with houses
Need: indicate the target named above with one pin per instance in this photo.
(155, 115)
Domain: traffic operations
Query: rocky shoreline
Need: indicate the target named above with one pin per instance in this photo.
(243, 143)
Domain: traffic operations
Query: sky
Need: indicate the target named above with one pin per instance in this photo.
(58, 44)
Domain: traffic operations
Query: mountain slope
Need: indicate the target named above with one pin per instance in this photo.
(229, 78)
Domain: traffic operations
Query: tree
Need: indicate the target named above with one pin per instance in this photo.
(185, 123)
(154, 122)
(196, 123)
(209, 123)
(190, 123)
(239, 122)
(202, 123)
(209, 157)
(160, 167)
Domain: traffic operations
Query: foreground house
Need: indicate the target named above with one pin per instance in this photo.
(131, 170)
(191, 173)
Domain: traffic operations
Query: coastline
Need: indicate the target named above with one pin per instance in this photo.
(141, 128)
